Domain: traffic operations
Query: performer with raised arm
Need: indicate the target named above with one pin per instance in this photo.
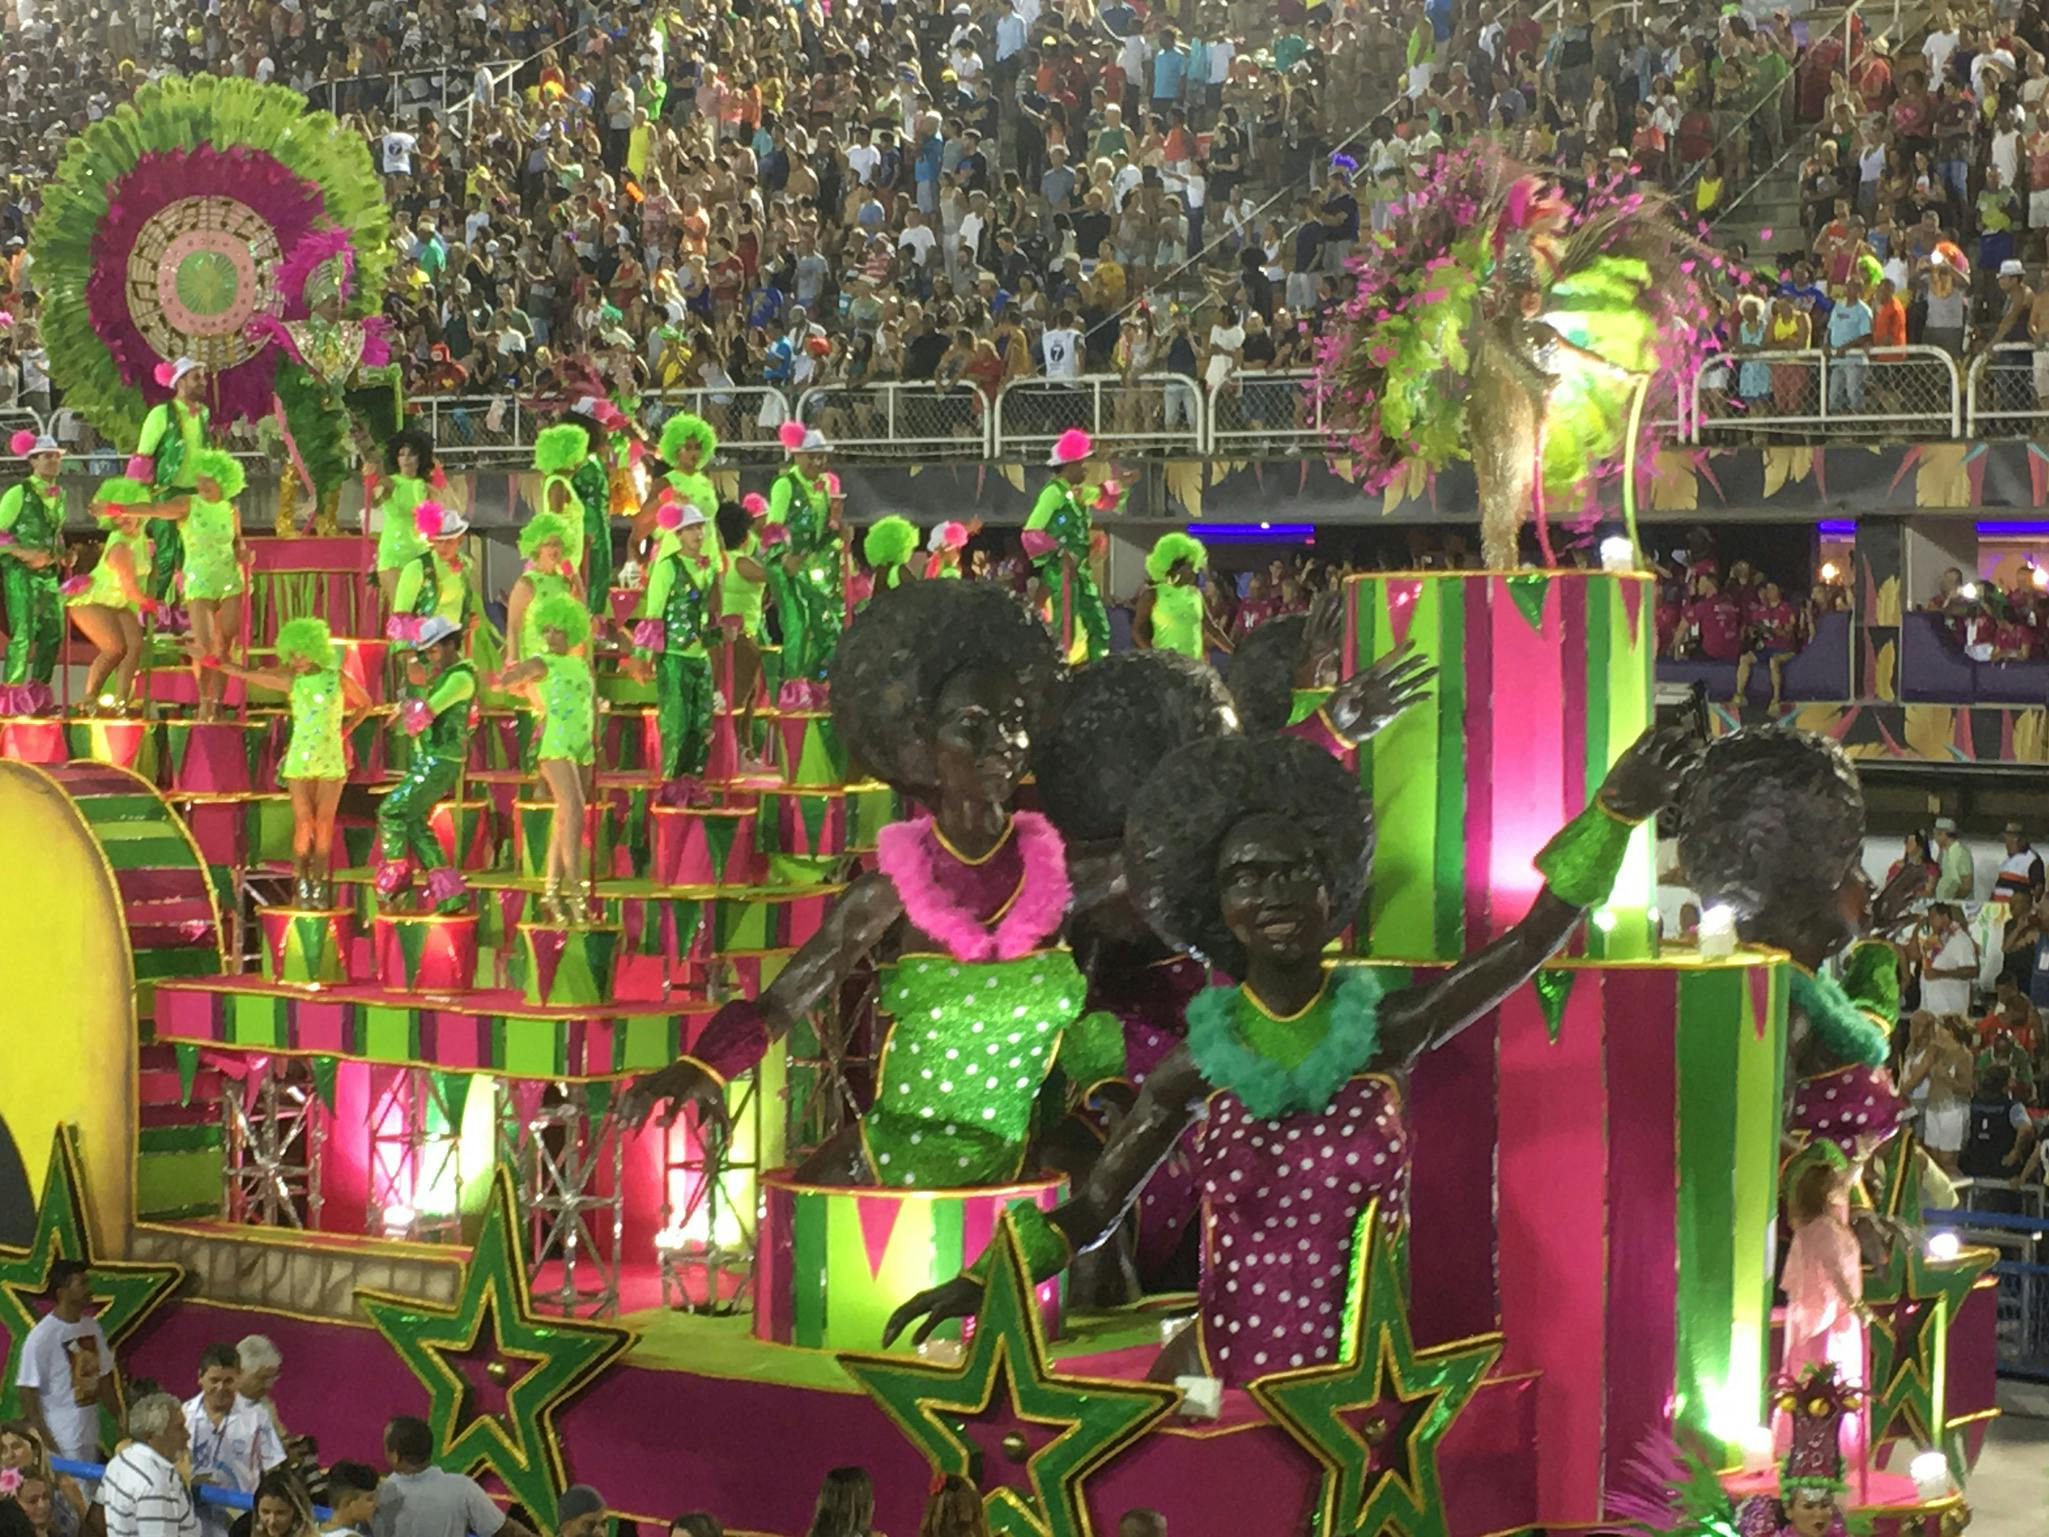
(32, 570)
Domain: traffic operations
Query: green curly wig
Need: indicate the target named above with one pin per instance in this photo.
(684, 427)
(1170, 550)
(307, 636)
(560, 448)
(119, 491)
(890, 541)
(560, 611)
(223, 468)
(539, 529)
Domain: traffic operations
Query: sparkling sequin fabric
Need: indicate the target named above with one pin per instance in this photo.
(971, 1044)
(315, 750)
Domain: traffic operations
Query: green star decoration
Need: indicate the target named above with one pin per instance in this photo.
(1376, 1417)
(1910, 1349)
(124, 1292)
(547, 1360)
(1065, 1426)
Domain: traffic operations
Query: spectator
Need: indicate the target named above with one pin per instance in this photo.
(1949, 961)
(954, 1509)
(846, 1505)
(2002, 1135)
(421, 1500)
(1141, 1523)
(22, 1449)
(696, 1523)
(67, 1375)
(352, 1497)
(261, 1364)
(234, 1443)
(142, 1493)
(2021, 870)
(1936, 1077)
(580, 1512)
(1957, 880)
(1915, 857)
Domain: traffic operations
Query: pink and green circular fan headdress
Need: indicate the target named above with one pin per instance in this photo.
(167, 227)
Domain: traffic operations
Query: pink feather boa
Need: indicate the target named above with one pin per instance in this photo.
(909, 853)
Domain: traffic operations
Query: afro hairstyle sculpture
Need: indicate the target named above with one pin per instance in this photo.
(1262, 673)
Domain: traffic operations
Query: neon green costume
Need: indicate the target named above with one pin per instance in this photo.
(1079, 618)
(439, 754)
(172, 436)
(318, 703)
(432, 585)
(811, 601)
(567, 729)
(103, 588)
(677, 593)
(32, 522)
(211, 570)
(399, 539)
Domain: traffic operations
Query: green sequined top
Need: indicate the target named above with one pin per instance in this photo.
(173, 451)
(545, 584)
(32, 515)
(738, 595)
(211, 571)
(400, 539)
(448, 697)
(1059, 512)
(696, 490)
(971, 1045)
(318, 703)
(1177, 619)
(567, 718)
(802, 506)
(103, 588)
(430, 585)
(676, 593)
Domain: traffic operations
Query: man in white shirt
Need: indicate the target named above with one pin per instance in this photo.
(398, 153)
(234, 1442)
(1062, 347)
(420, 1500)
(67, 1371)
(142, 1493)
(1936, 48)
(917, 239)
(1949, 962)
(862, 157)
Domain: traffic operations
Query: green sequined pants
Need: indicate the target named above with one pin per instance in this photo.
(683, 712)
(404, 814)
(597, 550)
(35, 626)
(812, 608)
(1080, 617)
(167, 546)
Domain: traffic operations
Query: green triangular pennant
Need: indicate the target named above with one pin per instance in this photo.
(323, 1080)
(1553, 988)
(718, 840)
(455, 1094)
(813, 809)
(597, 1100)
(188, 1071)
(412, 944)
(1528, 589)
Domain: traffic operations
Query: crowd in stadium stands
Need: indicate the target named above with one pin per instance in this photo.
(1993, 621)
(711, 196)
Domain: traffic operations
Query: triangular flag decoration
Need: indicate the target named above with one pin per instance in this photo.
(718, 837)
(878, 1220)
(188, 1071)
(324, 1069)
(455, 1095)
(1554, 986)
(1401, 609)
(412, 945)
(1528, 588)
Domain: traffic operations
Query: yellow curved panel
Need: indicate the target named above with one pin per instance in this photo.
(68, 1015)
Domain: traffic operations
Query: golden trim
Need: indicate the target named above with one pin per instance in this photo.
(1322, 987)
(773, 1177)
(1009, 827)
(705, 1067)
(1553, 572)
(1601, 804)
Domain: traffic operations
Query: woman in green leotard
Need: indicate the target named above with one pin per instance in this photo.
(411, 476)
(326, 704)
(558, 680)
(110, 605)
(1170, 612)
(214, 584)
(544, 543)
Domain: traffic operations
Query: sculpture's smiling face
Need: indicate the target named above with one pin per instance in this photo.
(984, 741)
(1274, 900)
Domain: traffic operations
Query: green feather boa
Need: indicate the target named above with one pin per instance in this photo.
(1840, 1025)
(1223, 1028)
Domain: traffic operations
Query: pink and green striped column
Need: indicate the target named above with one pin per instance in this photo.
(1544, 678)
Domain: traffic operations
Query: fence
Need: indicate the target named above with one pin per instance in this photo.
(901, 421)
(1152, 413)
(1904, 392)
(2008, 393)
(1262, 412)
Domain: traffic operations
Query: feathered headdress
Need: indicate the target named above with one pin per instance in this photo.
(320, 267)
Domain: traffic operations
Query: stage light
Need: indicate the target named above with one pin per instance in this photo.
(1930, 1472)
(2038, 575)
(1604, 920)
(399, 1220)
(1968, 592)
(671, 1241)
(1718, 932)
(1756, 1444)
(1830, 571)
(1944, 1246)
(1617, 554)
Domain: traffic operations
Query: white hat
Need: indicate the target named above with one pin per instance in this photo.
(1945, 824)
(2012, 269)
(168, 374)
(813, 442)
(688, 515)
(450, 524)
(434, 629)
(44, 444)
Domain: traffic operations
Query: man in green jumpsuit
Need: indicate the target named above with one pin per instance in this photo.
(437, 715)
(808, 580)
(31, 569)
(1056, 539)
(172, 434)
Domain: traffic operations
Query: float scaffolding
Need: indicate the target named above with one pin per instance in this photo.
(391, 1144)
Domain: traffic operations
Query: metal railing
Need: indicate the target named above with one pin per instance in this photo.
(745, 416)
(2006, 392)
(901, 421)
(1151, 413)
(1904, 392)
(1266, 410)
(468, 429)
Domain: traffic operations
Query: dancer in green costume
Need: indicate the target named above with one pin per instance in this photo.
(544, 543)
(575, 487)
(326, 704)
(165, 460)
(439, 714)
(743, 594)
(1057, 537)
(560, 685)
(110, 605)
(676, 614)
(808, 580)
(412, 475)
(937, 690)
(1170, 612)
(31, 569)
(215, 586)
(888, 547)
(434, 581)
(688, 447)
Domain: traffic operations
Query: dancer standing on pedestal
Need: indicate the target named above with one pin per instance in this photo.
(743, 594)
(676, 616)
(1254, 854)
(412, 475)
(438, 714)
(32, 569)
(110, 604)
(937, 690)
(559, 683)
(326, 703)
(215, 583)
(544, 542)
(807, 564)
(1170, 608)
(434, 581)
